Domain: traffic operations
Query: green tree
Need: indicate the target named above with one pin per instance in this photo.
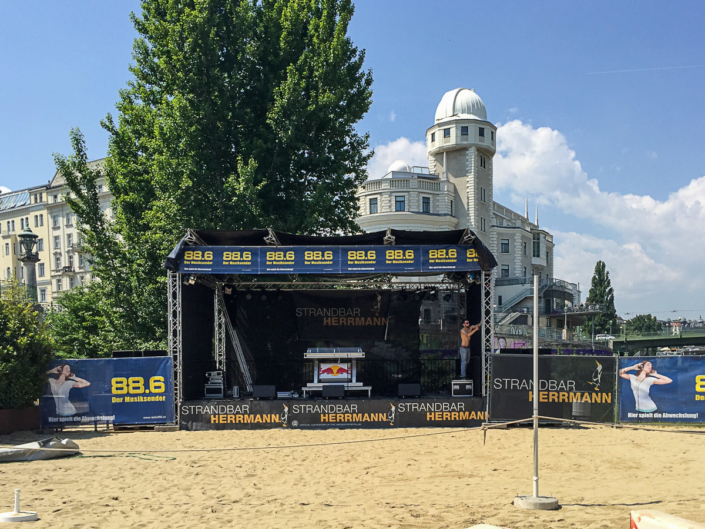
(25, 349)
(240, 114)
(643, 323)
(601, 293)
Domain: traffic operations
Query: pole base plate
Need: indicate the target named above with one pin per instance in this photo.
(23, 516)
(537, 503)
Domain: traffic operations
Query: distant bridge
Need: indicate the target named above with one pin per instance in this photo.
(633, 342)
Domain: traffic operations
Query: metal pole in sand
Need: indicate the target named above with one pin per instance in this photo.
(536, 502)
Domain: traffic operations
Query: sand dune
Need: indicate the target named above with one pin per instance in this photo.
(450, 480)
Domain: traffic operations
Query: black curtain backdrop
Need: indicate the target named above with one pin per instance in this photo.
(268, 329)
(197, 327)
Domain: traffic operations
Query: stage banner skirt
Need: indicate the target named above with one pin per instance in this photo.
(662, 389)
(570, 387)
(318, 414)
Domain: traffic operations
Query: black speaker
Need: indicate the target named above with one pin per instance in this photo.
(332, 392)
(264, 392)
(409, 390)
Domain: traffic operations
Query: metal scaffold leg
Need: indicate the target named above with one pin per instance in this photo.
(487, 329)
(175, 345)
(219, 320)
(234, 340)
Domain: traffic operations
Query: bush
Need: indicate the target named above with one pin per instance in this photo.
(25, 350)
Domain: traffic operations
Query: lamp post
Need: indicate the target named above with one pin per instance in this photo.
(29, 258)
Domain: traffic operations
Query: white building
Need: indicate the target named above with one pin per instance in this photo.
(455, 191)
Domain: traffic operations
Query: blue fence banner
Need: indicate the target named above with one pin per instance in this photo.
(326, 259)
(114, 390)
(662, 389)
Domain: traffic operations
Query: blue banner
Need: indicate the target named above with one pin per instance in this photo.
(327, 259)
(662, 389)
(114, 390)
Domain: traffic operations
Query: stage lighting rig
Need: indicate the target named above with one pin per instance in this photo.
(228, 290)
(191, 279)
(248, 295)
(263, 294)
(447, 297)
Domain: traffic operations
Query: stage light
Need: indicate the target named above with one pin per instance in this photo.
(433, 295)
(228, 290)
(417, 295)
(191, 279)
(279, 294)
(447, 297)
(249, 294)
(263, 293)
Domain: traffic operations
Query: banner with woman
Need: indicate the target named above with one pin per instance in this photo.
(662, 389)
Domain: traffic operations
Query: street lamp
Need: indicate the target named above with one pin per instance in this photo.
(29, 257)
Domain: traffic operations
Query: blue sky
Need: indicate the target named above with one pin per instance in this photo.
(635, 133)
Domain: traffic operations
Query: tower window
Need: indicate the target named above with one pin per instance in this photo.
(537, 245)
(446, 133)
(525, 251)
(482, 132)
(505, 271)
(492, 135)
(505, 246)
(433, 136)
(464, 131)
(399, 204)
(451, 208)
(499, 300)
(426, 204)
(373, 206)
(483, 195)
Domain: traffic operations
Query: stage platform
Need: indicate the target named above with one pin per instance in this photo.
(312, 414)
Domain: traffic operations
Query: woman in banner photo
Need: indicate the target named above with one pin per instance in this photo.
(61, 380)
(646, 376)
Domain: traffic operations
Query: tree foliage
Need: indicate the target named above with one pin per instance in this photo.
(601, 293)
(240, 114)
(643, 323)
(25, 349)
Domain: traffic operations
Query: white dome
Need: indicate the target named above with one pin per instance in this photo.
(461, 103)
(399, 165)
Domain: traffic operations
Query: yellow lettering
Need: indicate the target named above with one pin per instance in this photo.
(366, 418)
(607, 398)
(429, 416)
(553, 396)
(214, 419)
(348, 417)
(231, 418)
(340, 418)
(238, 418)
(563, 396)
(543, 397)
(357, 417)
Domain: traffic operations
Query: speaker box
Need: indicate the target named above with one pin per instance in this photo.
(264, 392)
(409, 390)
(333, 392)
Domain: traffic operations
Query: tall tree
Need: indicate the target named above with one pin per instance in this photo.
(240, 114)
(601, 293)
(643, 323)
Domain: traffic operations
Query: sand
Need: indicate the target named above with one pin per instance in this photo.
(450, 480)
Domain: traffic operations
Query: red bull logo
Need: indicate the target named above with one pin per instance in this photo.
(334, 370)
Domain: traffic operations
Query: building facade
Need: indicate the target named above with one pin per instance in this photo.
(455, 191)
(43, 209)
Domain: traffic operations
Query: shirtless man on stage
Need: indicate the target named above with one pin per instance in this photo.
(465, 333)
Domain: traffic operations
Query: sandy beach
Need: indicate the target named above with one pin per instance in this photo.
(438, 481)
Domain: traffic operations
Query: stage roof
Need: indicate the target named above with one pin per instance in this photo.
(269, 240)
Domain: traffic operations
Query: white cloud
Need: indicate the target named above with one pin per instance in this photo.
(4, 189)
(412, 152)
(392, 116)
(656, 251)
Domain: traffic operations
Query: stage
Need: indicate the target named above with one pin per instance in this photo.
(313, 414)
(375, 313)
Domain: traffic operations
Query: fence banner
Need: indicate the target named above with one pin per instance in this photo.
(318, 414)
(662, 389)
(570, 387)
(116, 390)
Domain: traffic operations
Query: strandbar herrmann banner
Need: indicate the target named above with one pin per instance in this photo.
(317, 414)
(570, 387)
(114, 390)
(327, 259)
(662, 389)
